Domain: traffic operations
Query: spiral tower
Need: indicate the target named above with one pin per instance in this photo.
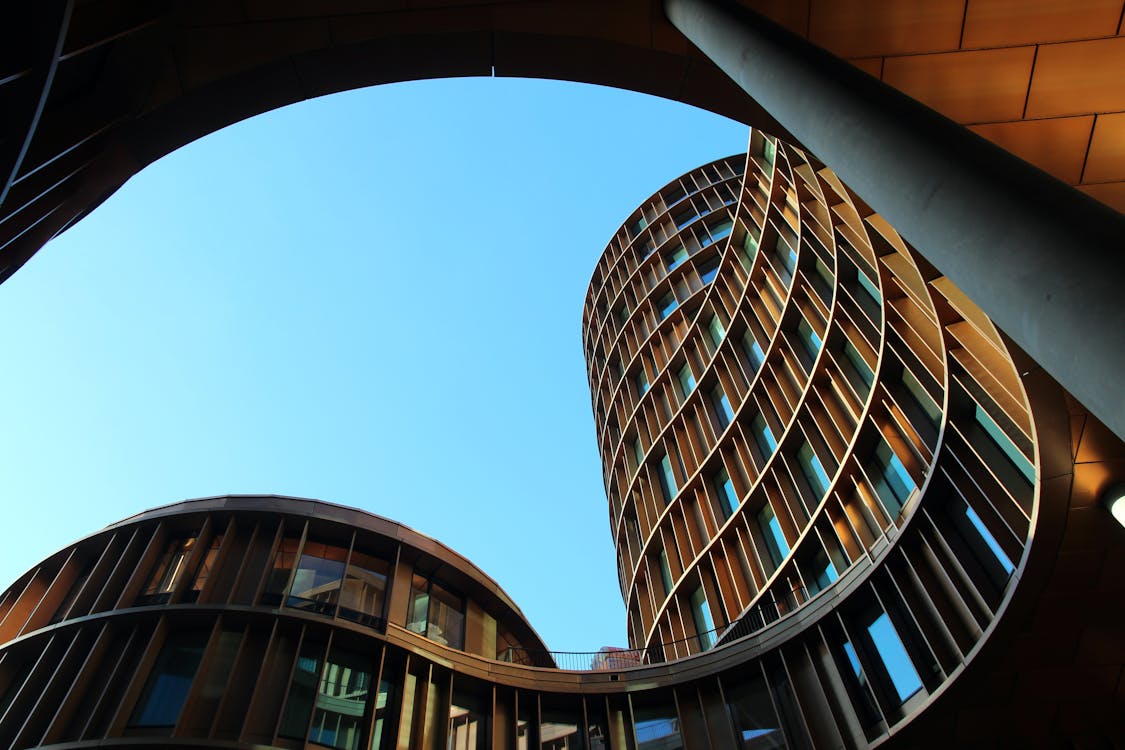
(808, 433)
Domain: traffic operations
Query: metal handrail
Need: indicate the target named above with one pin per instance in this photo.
(609, 658)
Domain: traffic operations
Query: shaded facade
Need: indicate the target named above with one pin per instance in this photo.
(848, 512)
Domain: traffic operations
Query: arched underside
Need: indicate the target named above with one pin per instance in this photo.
(133, 82)
(93, 90)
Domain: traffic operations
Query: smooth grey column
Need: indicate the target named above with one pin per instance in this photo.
(1045, 261)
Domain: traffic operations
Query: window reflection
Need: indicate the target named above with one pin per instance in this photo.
(168, 683)
(341, 701)
(753, 714)
(776, 546)
(436, 612)
(560, 727)
(365, 588)
(893, 483)
(205, 569)
(168, 571)
(316, 582)
(468, 722)
(282, 567)
(728, 497)
(701, 614)
(892, 652)
(657, 727)
(302, 691)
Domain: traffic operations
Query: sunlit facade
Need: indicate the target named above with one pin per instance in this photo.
(847, 512)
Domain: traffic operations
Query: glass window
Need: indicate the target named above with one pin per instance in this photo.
(685, 217)
(559, 730)
(341, 701)
(419, 604)
(856, 369)
(708, 272)
(867, 708)
(896, 661)
(989, 540)
(168, 571)
(1004, 443)
(763, 436)
(723, 410)
(701, 614)
(754, 353)
(468, 720)
(721, 230)
(822, 280)
(870, 287)
(436, 612)
(715, 328)
(776, 545)
(687, 380)
(755, 720)
(769, 150)
(657, 726)
(893, 483)
(728, 498)
(365, 588)
(384, 713)
(665, 572)
(302, 691)
(786, 260)
(813, 470)
(921, 398)
(676, 257)
(667, 479)
(810, 341)
(667, 304)
(316, 582)
(749, 249)
(283, 562)
(638, 451)
(820, 573)
(167, 686)
(642, 382)
(205, 568)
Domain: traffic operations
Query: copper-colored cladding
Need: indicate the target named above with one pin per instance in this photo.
(92, 91)
(999, 577)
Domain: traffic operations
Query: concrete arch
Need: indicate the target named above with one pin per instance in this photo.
(100, 90)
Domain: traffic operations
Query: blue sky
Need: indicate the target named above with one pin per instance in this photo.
(372, 299)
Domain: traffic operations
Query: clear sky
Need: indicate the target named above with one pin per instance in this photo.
(372, 299)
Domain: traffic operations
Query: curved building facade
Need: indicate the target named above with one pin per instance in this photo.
(779, 383)
(847, 511)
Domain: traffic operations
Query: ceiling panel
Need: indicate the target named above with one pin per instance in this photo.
(997, 23)
(1078, 77)
(1107, 150)
(1057, 146)
(975, 86)
(864, 28)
